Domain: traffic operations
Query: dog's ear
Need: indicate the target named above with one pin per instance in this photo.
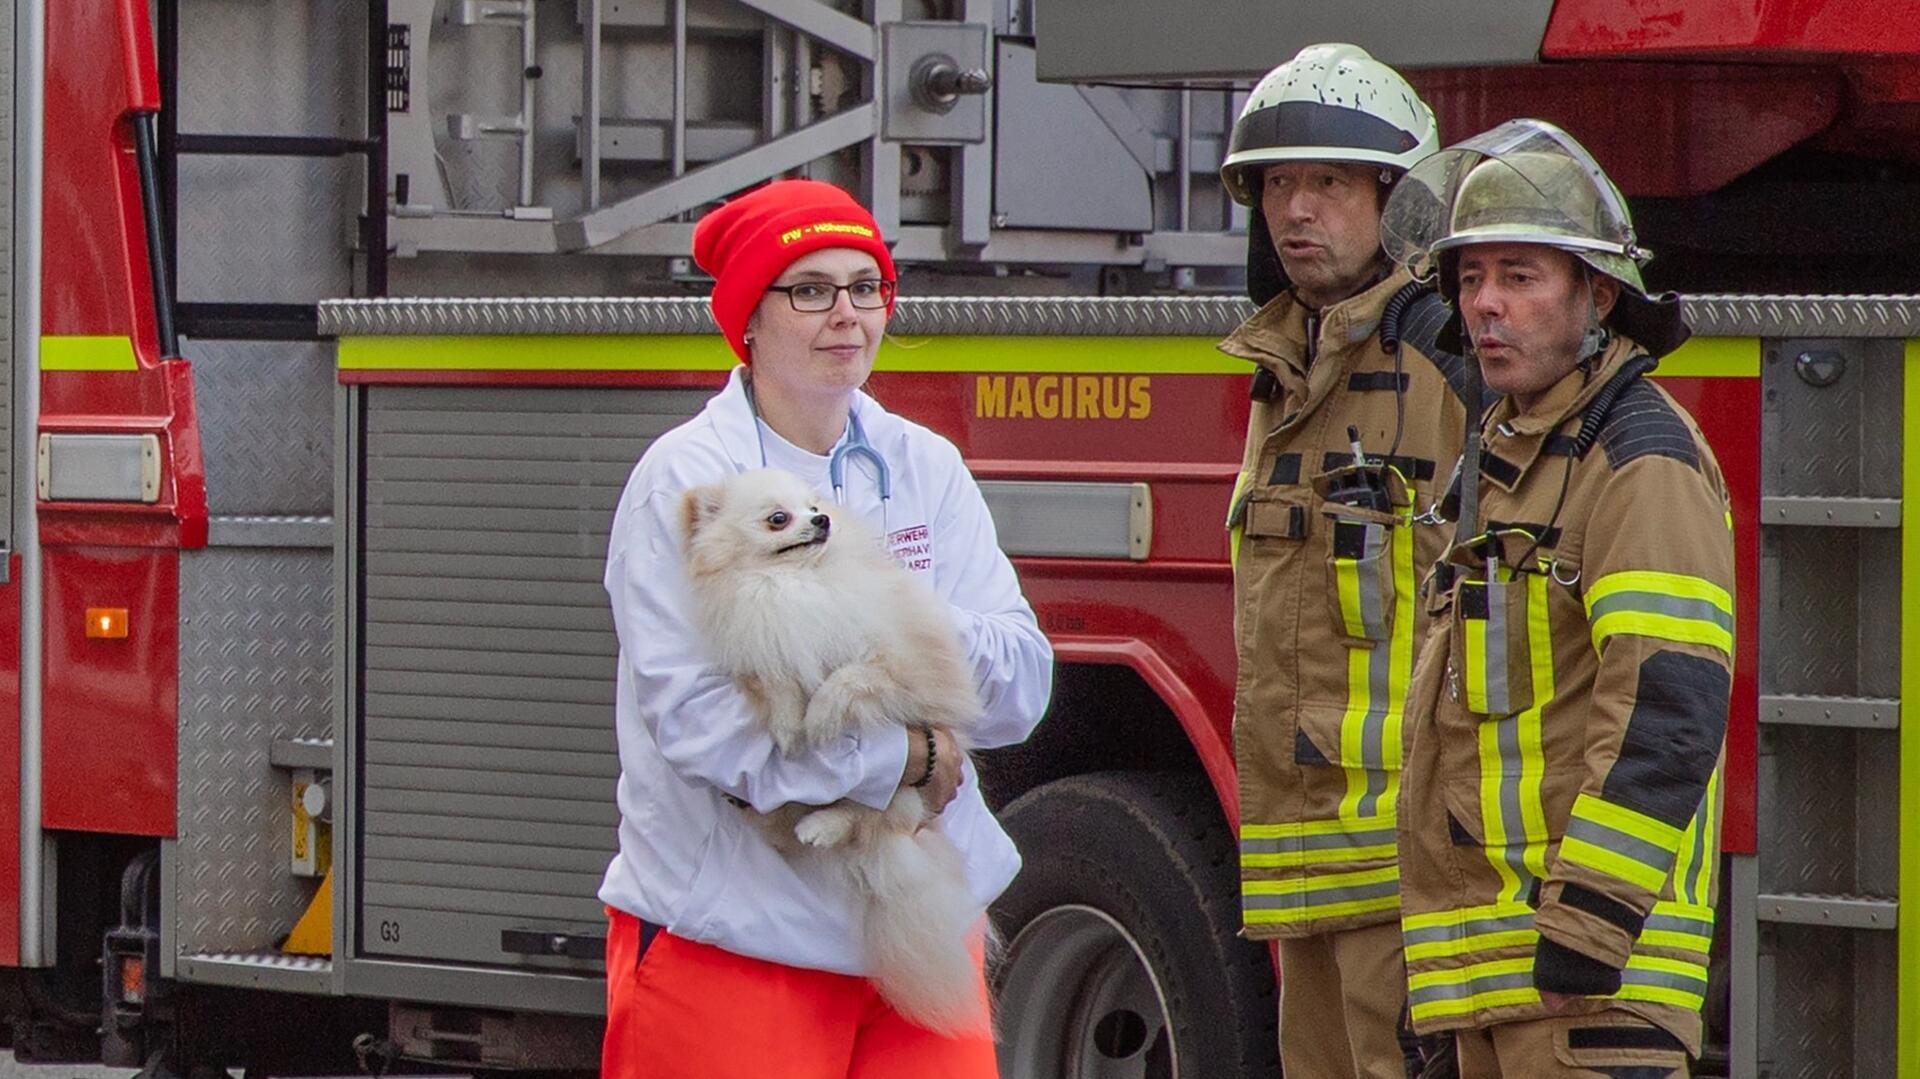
(697, 507)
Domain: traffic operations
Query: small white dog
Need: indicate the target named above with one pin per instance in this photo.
(825, 634)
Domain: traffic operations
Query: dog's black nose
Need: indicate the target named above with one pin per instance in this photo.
(822, 522)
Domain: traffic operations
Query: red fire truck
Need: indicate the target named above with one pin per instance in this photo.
(306, 757)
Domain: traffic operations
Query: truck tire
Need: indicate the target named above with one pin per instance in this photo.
(1122, 956)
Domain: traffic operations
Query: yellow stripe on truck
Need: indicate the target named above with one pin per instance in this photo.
(68, 352)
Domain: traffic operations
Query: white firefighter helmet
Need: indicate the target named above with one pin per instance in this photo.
(1330, 102)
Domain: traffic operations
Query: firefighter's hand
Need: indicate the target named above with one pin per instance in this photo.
(948, 760)
(1556, 1002)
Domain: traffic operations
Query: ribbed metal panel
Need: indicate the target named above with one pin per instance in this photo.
(487, 757)
(6, 280)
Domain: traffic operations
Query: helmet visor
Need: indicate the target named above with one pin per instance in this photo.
(1525, 181)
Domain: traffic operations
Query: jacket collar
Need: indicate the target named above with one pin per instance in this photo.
(734, 424)
(1275, 337)
(1515, 438)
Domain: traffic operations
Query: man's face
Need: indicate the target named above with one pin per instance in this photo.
(1526, 308)
(1324, 217)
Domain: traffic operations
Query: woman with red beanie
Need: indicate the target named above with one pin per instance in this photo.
(727, 960)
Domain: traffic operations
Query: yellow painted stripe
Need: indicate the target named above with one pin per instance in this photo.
(59, 352)
(707, 352)
(1612, 863)
(1907, 1032)
(1713, 357)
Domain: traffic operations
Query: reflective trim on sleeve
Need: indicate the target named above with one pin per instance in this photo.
(1620, 843)
(1667, 606)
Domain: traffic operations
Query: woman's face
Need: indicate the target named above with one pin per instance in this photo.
(817, 353)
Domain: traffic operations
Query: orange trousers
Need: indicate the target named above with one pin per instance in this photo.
(679, 1009)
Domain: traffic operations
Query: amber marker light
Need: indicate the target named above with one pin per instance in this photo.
(107, 623)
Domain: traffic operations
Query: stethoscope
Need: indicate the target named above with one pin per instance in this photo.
(854, 445)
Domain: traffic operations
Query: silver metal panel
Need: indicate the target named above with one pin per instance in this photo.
(1839, 911)
(1830, 512)
(1823, 827)
(8, 329)
(1745, 964)
(1719, 315)
(270, 532)
(1153, 41)
(266, 425)
(1812, 619)
(528, 990)
(256, 666)
(1829, 1014)
(291, 67)
(258, 970)
(1878, 713)
(1056, 164)
(1052, 519)
(487, 765)
(266, 229)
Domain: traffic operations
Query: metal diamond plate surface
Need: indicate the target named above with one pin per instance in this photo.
(1763, 316)
(1813, 433)
(291, 67)
(266, 426)
(256, 649)
(1812, 788)
(1814, 986)
(266, 229)
(1811, 601)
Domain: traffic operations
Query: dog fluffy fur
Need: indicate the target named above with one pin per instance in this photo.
(825, 634)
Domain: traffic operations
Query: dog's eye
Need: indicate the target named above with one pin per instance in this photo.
(779, 519)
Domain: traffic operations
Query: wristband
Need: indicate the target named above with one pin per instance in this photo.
(932, 758)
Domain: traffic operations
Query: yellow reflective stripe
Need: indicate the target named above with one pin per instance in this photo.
(1632, 822)
(1702, 877)
(1289, 829)
(1673, 938)
(1236, 521)
(1460, 975)
(1313, 912)
(1662, 627)
(1475, 635)
(1447, 919)
(1295, 885)
(1346, 574)
(1301, 858)
(1499, 998)
(1274, 902)
(1654, 994)
(1484, 942)
(1404, 595)
(1582, 853)
(81, 352)
(1492, 820)
(1668, 584)
(1533, 766)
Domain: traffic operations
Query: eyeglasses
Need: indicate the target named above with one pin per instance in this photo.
(815, 296)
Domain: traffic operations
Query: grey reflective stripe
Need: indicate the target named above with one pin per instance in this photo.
(1320, 897)
(1367, 573)
(1688, 983)
(1660, 603)
(1373, 725)
(1428, 994)
(1651, 855)
(1435, 934)
(1686, 888)
(1498, 703)
(1676, 923)
(1294, 844)
(1515, 851)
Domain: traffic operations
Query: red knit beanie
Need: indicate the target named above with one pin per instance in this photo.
(751, 241)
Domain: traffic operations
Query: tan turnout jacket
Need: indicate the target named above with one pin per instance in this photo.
(1559, 822)
(1325, 611)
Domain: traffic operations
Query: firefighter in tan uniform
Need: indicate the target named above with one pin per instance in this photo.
(1560, 807)
(1355, 418)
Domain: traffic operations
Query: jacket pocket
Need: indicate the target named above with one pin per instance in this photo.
(1492, 647)
(1365, 507)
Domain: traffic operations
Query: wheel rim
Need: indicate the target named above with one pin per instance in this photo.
(1077, 999)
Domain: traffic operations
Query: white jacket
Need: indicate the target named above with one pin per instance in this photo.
(688, 859)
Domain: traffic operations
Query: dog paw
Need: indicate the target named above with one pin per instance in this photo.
(827, 828)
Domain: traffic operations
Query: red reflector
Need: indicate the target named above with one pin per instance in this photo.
(133, 976)
(107, 623)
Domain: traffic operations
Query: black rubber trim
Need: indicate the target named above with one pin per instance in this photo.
(1370, 381)
(1310, 123)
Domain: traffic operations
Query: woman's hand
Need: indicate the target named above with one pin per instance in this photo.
(939, 790)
